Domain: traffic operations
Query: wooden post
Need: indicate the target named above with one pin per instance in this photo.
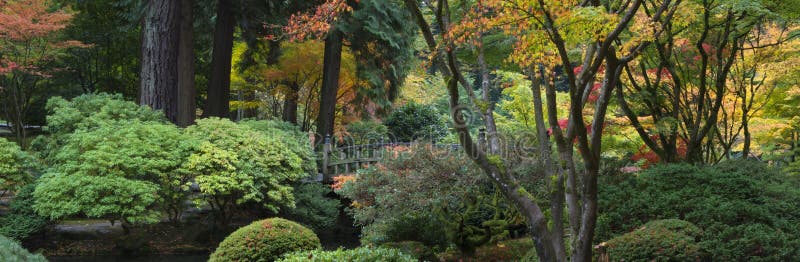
(326, 160)
(343, 158)
(482, 138)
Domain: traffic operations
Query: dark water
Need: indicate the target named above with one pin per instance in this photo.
(161, 258)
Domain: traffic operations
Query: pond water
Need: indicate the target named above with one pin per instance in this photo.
(161, 258)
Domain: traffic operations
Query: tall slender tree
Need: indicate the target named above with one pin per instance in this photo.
(219, 88)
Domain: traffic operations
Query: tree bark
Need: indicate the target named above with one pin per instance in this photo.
(219, 87)
(186, 89)
(159, 70)
(290, 104)
(330, 82)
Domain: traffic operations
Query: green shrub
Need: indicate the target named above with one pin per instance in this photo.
(402, 199)
(361, 254)
(415, 249)
(746, 209)
(88, 112)
(123, 173)
(15, 166)
(660, 240)
(21, 221)
(367, 132)
(237, 164)
(295, 141)
(520, 249)
(11, 251)
(413, 121)
(94, 110)
(425, 228)
(313, 207)
(265, 240)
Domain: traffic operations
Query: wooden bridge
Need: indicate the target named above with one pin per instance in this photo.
(345, 159)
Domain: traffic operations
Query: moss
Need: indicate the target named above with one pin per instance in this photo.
(497, 161)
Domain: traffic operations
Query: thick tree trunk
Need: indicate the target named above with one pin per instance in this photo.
(219, 87)
(159, 69)
(186, 89)
(330, 83)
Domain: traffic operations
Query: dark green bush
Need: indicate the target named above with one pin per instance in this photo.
(367, 132)
(11, 251)
(414, 121)
(415, 249)
(425, 228)
(660, 240)
(313, 207)
(747, 210)
(265, 240)
(21, 221)
(361, 254)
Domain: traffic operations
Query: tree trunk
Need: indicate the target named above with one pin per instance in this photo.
(219, 87)
(330, 82)
(747, 135)
(159, 69)
(186, 89)
(290, 104)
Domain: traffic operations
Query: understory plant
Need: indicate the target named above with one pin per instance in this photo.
(429, 195)
(745, 208)
(238, 164)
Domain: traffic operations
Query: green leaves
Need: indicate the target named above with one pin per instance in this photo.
(111, 197)
(238, 164)
(13, 170)
(112, 159)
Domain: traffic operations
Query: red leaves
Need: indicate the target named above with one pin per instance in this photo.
(28, 19)
(651, 157)
(707, 48)
(317, 23)
(664, 72)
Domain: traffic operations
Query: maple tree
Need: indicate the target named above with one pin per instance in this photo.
(546, 33)
(676, 91)
(29, 43)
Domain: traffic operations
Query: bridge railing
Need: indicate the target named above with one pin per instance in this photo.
(346, 159)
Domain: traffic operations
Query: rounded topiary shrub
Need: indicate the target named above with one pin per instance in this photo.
(413, 121)
(361, 254)
(659, 240)
(265, 240)
(10, 251)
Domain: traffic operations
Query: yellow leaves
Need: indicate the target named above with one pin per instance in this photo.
(527, 22)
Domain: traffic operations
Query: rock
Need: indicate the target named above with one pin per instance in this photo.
(89, 230)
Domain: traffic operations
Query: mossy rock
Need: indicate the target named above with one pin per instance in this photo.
(265, 240)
